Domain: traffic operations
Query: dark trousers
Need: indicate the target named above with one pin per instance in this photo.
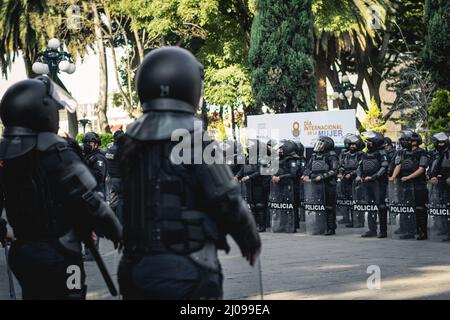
(330, 205)
(167, 277)
(44, 269)
(421, 198)
(382, 210)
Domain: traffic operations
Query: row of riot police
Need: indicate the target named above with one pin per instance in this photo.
(370, 184)
(175, 215)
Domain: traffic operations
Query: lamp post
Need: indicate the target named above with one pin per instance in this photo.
(84, 122)
(51, 62)
(345, 91)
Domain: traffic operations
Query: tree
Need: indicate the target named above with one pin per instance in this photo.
(437, 41)
(439, 112)
(374, 118)
(338, 27)
(281, 55)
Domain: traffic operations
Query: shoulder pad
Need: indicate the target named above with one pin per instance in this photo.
(383, 152)
(46, 140)
(332, 153)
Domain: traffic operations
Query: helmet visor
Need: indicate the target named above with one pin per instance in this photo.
(63, 97)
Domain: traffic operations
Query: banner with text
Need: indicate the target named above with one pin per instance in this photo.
(305, 127)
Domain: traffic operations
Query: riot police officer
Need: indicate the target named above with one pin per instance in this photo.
(440, 167)
(176, 214)
(284, 189)
(348, 163)
(323, 167)
(410, 165)
(112, 158)
(391, 152)
(250, 176)
(95, 160)
(373, 168)
(50, 195)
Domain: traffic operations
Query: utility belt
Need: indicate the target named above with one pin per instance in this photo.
(195, 238)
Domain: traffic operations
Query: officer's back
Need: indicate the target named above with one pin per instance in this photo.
(175, 214)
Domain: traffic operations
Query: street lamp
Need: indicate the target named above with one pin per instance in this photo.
(84, 122)
(345, 90)
(53, 60)
(50, 62)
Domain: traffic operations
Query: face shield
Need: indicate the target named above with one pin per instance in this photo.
(61, 96)
(319, 146)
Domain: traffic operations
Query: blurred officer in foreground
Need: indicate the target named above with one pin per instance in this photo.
(50, 197)
(175, 216)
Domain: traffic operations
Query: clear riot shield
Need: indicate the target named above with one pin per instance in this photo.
(401, 209)
(314, 203)
(366, 198)
(240, 280)
(281, 206)
(344, 202)
(301, 208)
(439, 211)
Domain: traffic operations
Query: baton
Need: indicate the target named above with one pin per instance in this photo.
(12, 291)
(101, 265)
(260, 279)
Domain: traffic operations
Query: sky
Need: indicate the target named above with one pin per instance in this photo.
(83, 84)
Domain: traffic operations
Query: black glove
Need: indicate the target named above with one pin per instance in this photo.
(246, 235)
(108, 224)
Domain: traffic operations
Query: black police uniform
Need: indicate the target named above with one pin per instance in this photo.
(440, 167)
(410, 160)
(374, 164)
(115, 188)
(49, 192)
(175, 214)
(96, 161)
(348, 163)
(324, 163)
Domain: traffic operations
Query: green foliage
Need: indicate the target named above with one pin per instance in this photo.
(105, 138)
(281, 55)
(437, 41)
(439, 112)
(374, 119)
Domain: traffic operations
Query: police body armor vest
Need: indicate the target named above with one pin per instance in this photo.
(370, 164)
(409, 162)
(350, 162)
(445, 164)
(164, 213)
(35, 208)
(319, 164)
(113, 161)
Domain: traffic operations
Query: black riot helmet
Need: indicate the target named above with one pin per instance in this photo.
(117, 134)
(34, 104)
(287, 147)
(440, 141)
(351, 139)
(408, 136)
(323, 144)
(90, 137)
(375, 140)
(300, 149)
(388, 142)
(170, 79)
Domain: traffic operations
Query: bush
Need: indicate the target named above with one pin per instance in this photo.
(105, 138)
(439, 112)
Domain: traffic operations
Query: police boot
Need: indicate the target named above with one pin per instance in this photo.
(331, 222)
(350, 224)
(345, 218)
(421, 218)
(372, 221)
(261, 220)
(383, 223)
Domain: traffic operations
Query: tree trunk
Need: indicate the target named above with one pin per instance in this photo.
(204, 115)
(102, 104)
(321, 80)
